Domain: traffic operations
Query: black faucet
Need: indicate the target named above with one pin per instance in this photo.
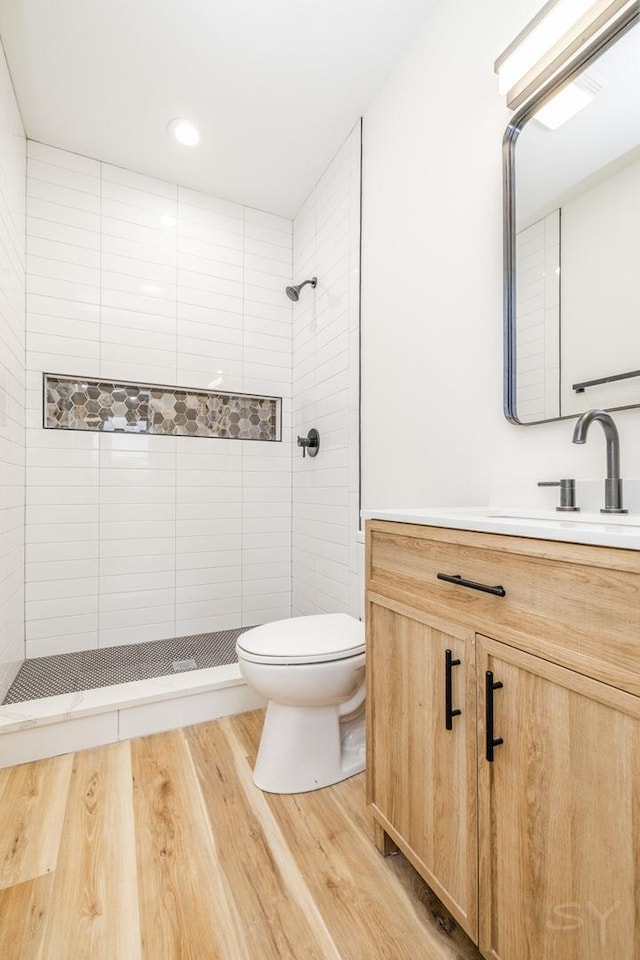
(613, 483)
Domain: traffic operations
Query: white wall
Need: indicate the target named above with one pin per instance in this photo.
(433, 428)
(326, 390)
(12, 381)
(133, 538)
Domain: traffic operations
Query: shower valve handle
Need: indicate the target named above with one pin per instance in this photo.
(311, 443)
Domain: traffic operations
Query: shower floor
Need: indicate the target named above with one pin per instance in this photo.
(88, 669)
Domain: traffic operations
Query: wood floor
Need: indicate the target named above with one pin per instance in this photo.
(163, 849)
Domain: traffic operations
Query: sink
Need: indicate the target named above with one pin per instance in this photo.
(531, 514)
(559, 516)
(528, 515)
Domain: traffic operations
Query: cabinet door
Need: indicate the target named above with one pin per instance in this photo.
(421, 775)
(559, 812)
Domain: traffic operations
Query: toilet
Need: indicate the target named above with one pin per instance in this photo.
(311, 672)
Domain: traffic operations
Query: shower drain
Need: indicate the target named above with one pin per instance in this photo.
(179, 666)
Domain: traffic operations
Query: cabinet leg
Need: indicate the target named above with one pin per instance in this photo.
(382, 840)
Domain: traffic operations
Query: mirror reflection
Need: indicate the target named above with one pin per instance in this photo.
(577, 243)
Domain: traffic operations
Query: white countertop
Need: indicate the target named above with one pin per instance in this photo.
(590, 528)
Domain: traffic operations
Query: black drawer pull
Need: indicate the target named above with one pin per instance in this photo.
(496, 591)
(449, 712)
(492, 741)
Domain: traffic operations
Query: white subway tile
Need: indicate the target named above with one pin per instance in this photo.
(218, 252)
(138, 181)
(195, 584)
(270, 220)
(140, 633)
(153, 248)
(136, 582)
(222, 542)
(61, 196)
(205, 563)
(136, 530)
(204, 201)
(259, 603)
(212, 268)
(251, 617)
(63, 158)
(211, 235)
(58, 214)
(39, 249)
(270, 251)
(202, 609)
(64, 607)
(207, 624)
(146, 273)
(275, 268)
(60, 532)
(138, 616)
(85, 236)
(61, 626)
(148, 211)
(126, 566)
(64, 289)
(189, 214)
(139, 477)
(51, 173)
(208, 593)
(137, 548)
(119, 235)
(52, 589)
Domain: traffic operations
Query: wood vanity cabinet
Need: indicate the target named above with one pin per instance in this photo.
(407, 664)
(536, 852)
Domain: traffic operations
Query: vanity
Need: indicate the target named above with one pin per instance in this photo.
(503, 671)
(503, 647)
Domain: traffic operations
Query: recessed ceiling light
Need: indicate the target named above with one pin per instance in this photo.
(184, 131)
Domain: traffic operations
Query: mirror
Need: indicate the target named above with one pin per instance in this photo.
(572, 238)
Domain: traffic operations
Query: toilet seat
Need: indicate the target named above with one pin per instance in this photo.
(316, 639)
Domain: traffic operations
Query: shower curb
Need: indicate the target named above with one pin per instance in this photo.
(50, 726)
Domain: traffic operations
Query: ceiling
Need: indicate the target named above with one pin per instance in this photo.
(274, 85)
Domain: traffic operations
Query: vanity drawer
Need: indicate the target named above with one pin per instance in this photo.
(576, 605)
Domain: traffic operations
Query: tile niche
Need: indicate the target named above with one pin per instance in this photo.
(74, 403)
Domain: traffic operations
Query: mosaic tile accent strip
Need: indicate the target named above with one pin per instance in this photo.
(72, 403)
(89, 669)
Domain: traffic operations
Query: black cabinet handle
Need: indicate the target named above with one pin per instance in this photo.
(449, 712)
(457, 579)
(492, 741)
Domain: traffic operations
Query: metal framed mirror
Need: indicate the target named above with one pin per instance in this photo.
(572, 236)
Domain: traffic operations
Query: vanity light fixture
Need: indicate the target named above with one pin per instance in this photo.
(184, 131)
(568, 102)
(549, 41)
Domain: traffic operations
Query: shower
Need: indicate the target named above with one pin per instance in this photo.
(294, 292)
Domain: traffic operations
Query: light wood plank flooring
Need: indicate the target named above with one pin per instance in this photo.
(162, 848)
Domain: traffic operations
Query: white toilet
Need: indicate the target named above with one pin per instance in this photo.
(311, 670)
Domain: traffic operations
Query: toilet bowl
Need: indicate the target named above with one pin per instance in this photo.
(311, 672)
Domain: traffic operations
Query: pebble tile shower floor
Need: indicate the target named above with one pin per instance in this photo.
(88, 669)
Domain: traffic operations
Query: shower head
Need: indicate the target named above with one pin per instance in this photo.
(294, 292)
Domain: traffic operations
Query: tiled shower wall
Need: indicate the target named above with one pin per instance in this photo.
(538, 319)
(327, 557)
(133, 538)
(12, 381)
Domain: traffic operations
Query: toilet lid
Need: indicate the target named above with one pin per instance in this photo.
(316, 639)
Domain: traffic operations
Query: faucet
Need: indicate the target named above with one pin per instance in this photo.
(613, 483)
